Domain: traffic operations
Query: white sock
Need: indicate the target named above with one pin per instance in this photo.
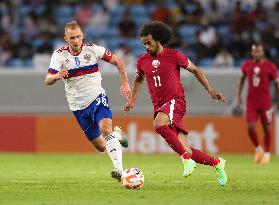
(114, 151)
(117, 134)
(267, 154)
(258, 148)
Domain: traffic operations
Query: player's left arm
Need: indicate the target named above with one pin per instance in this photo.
(275, 77)
(276, 83)
(199, 74)
(125, 89)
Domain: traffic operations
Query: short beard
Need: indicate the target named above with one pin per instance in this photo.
(152, 53)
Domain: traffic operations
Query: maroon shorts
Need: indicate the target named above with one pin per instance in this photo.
(175, 109)
(252, 115)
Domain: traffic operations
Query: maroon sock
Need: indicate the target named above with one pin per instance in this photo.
(254, 137)
(172, 140)
(267, 140)
(202, 158)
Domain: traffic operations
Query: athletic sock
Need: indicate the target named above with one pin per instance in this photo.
(114, 151)
(185, 156)
(267, 140)
(203, 158)
(258, 148)
(172, 140)
(254, 137)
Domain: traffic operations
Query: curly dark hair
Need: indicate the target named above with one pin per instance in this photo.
(159, 31)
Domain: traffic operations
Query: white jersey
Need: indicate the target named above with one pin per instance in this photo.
(83, 85)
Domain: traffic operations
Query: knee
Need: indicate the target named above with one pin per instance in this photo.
(158, 123)
(106, 129)
(266, 127)
(251, 128)
(101, 147)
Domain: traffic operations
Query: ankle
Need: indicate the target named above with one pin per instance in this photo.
(258, 149)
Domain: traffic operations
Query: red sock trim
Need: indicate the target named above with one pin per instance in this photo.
(203, 158)
(172, 139)
(185, 156)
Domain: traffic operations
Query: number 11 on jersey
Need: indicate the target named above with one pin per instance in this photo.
(157, 80)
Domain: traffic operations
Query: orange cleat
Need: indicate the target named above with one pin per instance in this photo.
(265, 158)
(258, 155)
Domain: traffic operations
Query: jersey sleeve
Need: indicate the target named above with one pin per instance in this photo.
(139, 70)
(274, 73)
(182, 60)
(55, 63)
(102, 53)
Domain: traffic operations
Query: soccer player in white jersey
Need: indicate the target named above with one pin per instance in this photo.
(77, 65)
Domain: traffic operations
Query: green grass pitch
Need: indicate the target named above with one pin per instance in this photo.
(42, 179)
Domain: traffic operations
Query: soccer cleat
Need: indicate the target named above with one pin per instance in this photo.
(189, 166)
(258, 155)
(221, 173)
(116, 174)
(265, 158)
(121, 137)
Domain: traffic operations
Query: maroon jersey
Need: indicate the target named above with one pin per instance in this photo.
(162, 74)
(259, 76)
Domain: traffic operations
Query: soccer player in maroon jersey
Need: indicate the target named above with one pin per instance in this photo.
(161, 67)
(259, 72)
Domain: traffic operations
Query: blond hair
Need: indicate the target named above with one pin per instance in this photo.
(71, 25)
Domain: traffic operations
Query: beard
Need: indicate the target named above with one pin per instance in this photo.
(76, 48)
(152, 53)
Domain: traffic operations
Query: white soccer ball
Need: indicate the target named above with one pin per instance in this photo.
(132, 178)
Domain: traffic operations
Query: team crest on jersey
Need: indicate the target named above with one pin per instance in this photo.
(87, 57)
(257, 70)
(155, 63)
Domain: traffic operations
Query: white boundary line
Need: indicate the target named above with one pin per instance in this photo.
(24, 181)
(201, 181)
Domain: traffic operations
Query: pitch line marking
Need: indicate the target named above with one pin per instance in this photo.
(91, 172)
(24, 181)
(183, 181)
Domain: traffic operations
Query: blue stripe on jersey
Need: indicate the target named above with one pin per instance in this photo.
(84, 68)
(78, 71)
(52, 71)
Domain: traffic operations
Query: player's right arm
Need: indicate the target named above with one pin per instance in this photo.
(240, 85)
(139, 78)
(52, 78)
(275, 78)
(200, 76)
(55, 71)
(276, 83)
(137, 84)
(184, 62)
(240, 88)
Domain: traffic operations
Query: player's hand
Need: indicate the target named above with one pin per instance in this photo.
(239, 102)
(125, 90)
(217, 95)
(62, 74)
(129, 105)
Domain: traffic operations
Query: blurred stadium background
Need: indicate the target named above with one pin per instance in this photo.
(214, 34)
(34, 118)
